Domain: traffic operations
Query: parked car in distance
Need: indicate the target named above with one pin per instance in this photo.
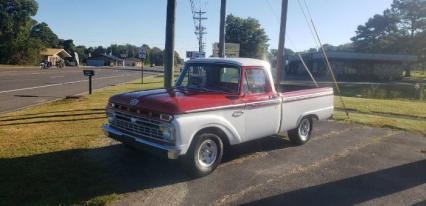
(216, 103)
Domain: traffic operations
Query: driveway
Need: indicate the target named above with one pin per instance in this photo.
(344, 164)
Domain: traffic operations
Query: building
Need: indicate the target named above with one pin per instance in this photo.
(232, 50)
(104, 60)
(350, 66)
(54, 56)
(133, 62)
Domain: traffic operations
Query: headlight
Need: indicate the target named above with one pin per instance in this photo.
(168, 132)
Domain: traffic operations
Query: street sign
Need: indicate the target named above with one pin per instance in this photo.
(195, 54)
(88, 73)
(231, 50)
(142, 53)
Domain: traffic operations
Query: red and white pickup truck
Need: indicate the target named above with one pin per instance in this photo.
(215, 104)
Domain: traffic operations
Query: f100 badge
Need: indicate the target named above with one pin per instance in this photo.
(134, 102)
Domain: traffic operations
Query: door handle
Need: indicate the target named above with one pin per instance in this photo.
(237, 113)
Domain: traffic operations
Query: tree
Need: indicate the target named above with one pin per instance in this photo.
(15, 28)
(98, 51)
(42, 32)
(411, 15)
(156, 56)
(178, 60)
(82, 54)
(148, 54)
(249, 34)
(68, 45)
(380, 33)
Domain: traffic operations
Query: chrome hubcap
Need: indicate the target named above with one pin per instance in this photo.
(207, 153)
(304, 129)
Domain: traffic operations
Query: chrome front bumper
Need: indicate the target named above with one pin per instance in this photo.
(171, 152)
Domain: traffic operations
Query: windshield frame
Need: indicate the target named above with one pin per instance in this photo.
(186, 68)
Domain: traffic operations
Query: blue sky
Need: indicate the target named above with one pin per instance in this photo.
(105, 22)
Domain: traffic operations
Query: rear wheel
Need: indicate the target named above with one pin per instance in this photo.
(302, 134)
(204, 155)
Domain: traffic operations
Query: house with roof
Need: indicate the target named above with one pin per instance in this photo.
(104, 60)
(350, 66)
(133, 62)
(54, 56)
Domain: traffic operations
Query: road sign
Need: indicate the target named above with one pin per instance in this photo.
(142, 53)
(195, 54)
(231, 50)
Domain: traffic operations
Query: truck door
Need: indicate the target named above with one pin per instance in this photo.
(262, 106)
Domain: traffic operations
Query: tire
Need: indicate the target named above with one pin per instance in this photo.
(204, 155)
(302, 134)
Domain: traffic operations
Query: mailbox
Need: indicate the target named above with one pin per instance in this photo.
(88, 73)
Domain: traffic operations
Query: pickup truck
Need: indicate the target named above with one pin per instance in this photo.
(216, 103)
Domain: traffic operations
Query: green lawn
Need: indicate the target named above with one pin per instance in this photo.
(399, 114)
(48, 153)
(418, 75)
(397, 107)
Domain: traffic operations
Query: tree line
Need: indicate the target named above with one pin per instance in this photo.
(22, 39)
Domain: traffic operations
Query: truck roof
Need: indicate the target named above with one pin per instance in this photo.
(236, 61)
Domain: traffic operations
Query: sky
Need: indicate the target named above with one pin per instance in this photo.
(106, 22)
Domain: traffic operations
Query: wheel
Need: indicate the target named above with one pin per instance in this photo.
(204, 155)
(302, 133)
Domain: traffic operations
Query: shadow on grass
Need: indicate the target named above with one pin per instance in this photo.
(53, 112)
(75, 176)
(52, 121)
(51, 116)
(355, 190)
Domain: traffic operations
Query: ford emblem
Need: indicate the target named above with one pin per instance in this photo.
(134, 102)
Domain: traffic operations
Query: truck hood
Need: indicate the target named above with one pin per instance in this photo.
(173, 101)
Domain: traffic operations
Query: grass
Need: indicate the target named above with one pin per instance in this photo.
(49, 154)
(397, 107)
(398, 114)
(418, 75)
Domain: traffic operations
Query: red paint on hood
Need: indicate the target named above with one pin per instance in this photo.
(173, 101)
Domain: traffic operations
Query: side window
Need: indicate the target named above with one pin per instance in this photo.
(255, 82)
(230, 75)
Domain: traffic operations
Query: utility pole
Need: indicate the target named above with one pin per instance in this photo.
(200, 30)
(222, 28)
(281, 44)
(170, 44)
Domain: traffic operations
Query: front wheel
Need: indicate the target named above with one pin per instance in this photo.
(302, 134)
(204, 155)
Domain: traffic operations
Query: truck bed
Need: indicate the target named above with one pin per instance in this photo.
(299, 102)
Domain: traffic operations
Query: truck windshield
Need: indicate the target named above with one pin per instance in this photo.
(210, 77)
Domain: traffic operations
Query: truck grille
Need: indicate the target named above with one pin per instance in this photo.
(138, 126)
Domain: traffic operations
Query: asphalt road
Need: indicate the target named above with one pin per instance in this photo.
(24, 87)
(344, 164)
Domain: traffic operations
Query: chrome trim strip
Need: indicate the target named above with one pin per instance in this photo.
(309, 96)
(236, 106)
(263, 103)
(171, 149)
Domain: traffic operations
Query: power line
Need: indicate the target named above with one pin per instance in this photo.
(198, 17)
